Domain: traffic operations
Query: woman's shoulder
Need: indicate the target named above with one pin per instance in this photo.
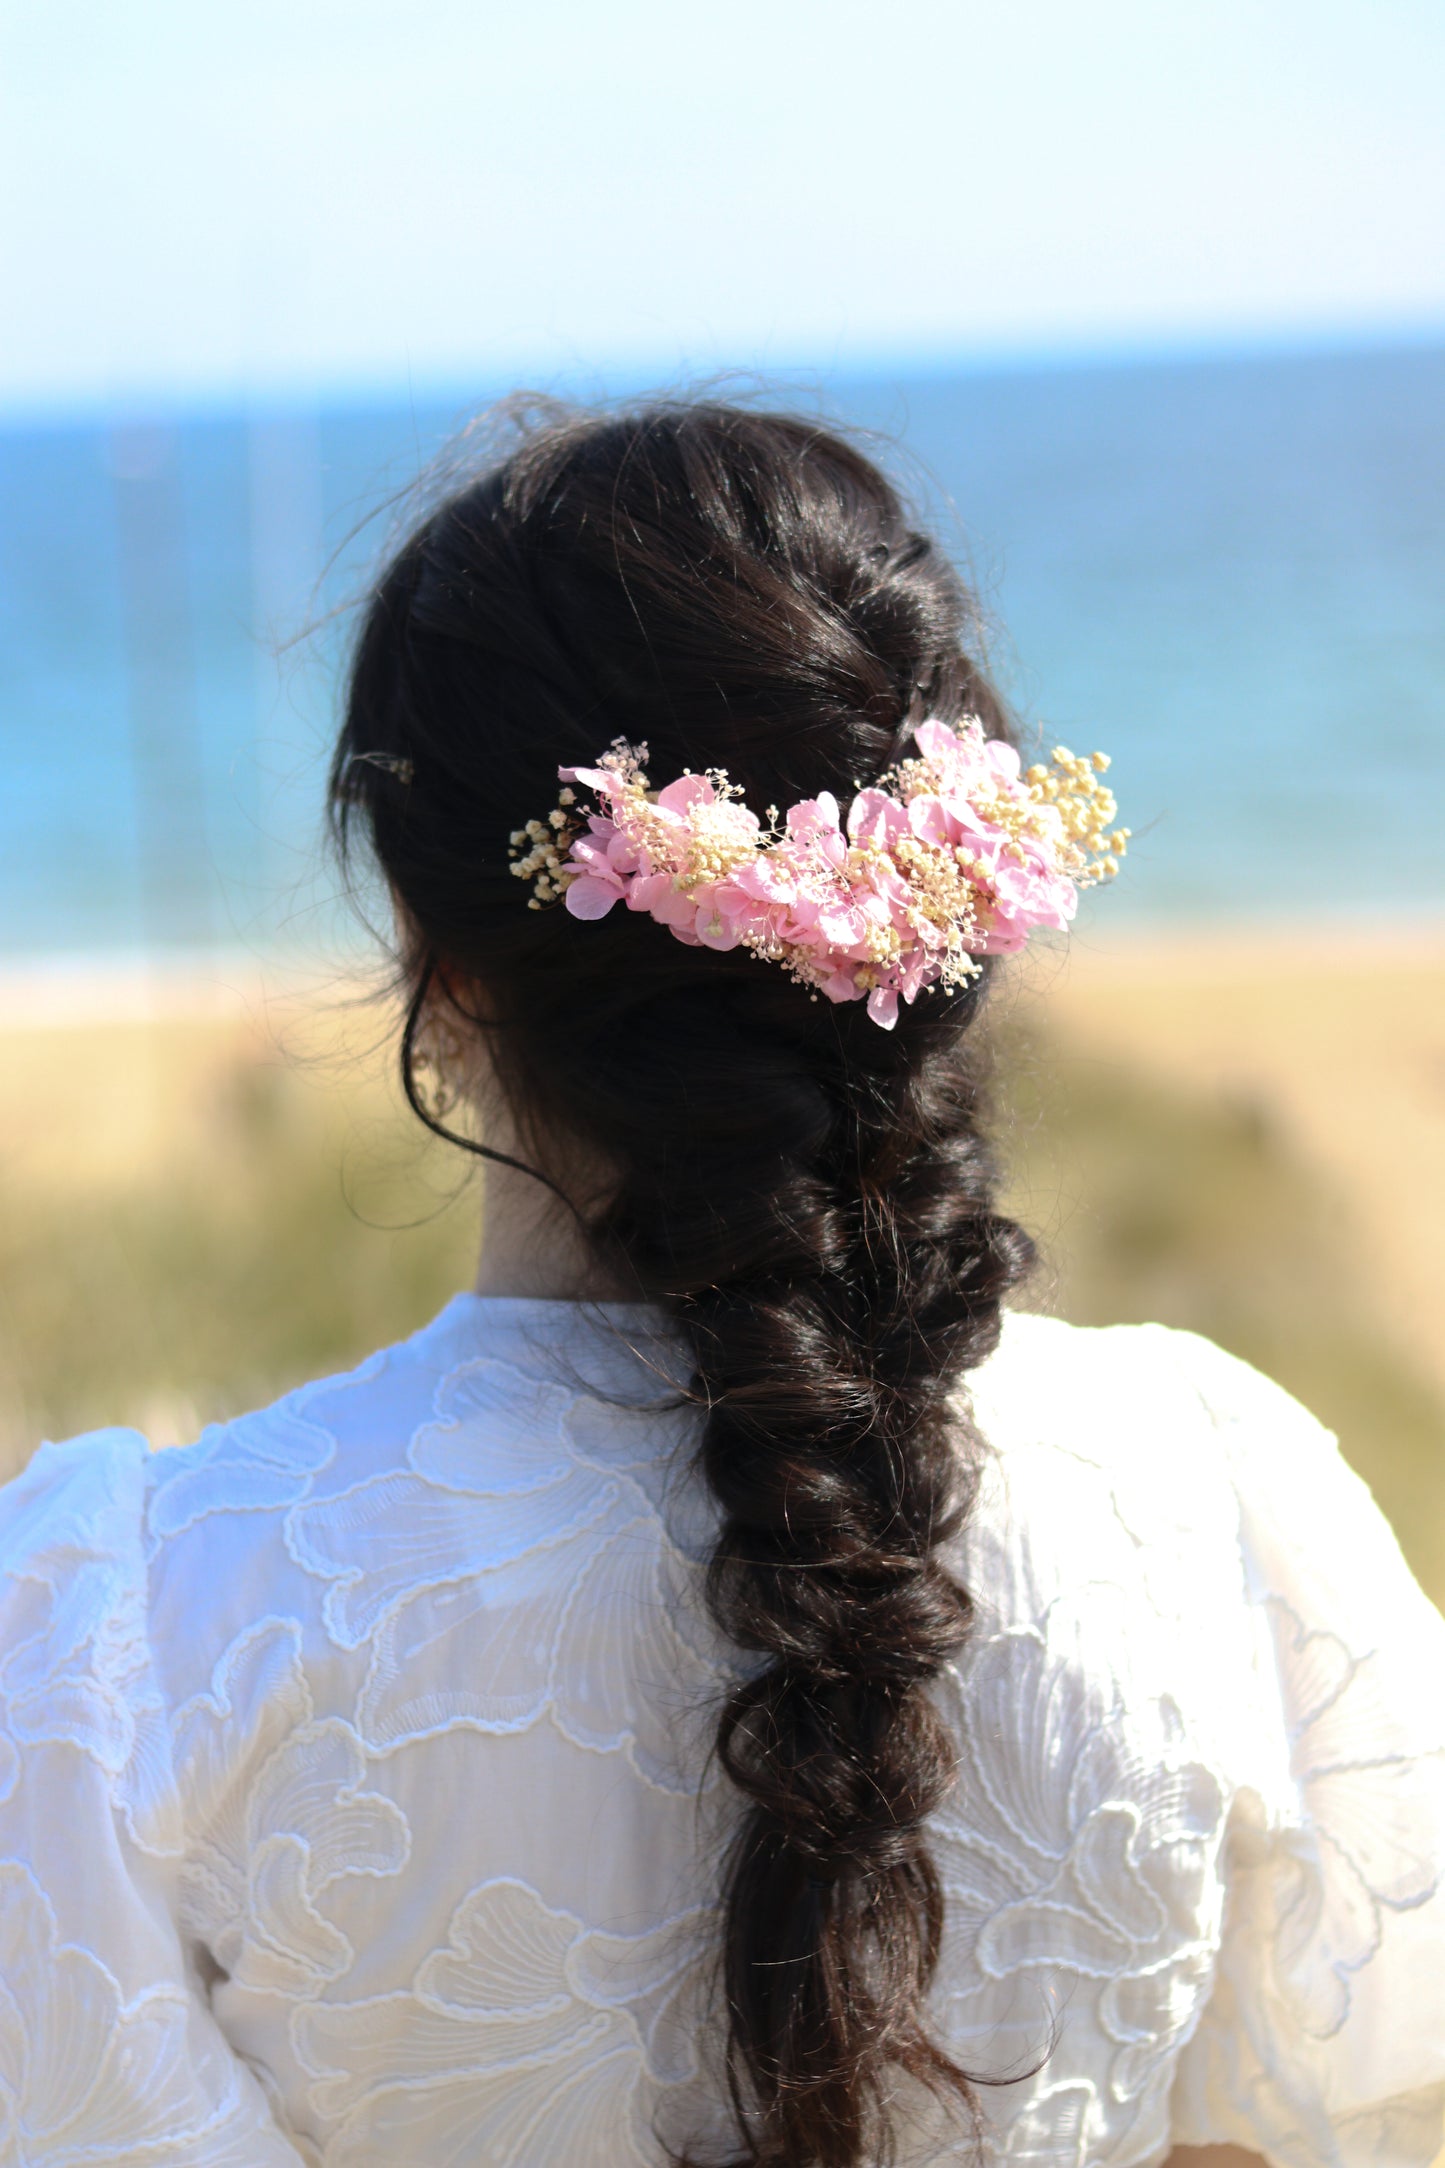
(1201, 1671)
(515, 1403)
(146, 1591)
(103, 1534)
(1103, 1496)
(1045, 1370)
(1163, 1429)
(1165, 1516)
(1143, 1474)
(1155, 1413)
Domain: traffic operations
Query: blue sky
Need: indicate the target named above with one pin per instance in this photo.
(213, 199)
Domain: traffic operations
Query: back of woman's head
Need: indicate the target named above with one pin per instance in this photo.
(808, 1195)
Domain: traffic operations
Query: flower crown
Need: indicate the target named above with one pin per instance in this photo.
(950, 856)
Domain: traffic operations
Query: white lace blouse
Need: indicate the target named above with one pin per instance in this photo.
(355, 1806)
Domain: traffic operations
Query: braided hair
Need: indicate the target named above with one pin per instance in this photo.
(811, 1198)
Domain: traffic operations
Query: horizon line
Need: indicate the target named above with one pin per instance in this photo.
(621, 375)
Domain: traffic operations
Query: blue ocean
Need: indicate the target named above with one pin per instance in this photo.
(1228, 572)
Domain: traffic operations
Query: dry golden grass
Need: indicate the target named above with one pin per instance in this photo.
(206, 1203)
(201, 1208)
(1336, 1041)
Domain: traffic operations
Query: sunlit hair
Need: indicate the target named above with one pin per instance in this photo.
(811, 1198)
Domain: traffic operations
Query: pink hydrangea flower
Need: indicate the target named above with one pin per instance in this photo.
(954, 855)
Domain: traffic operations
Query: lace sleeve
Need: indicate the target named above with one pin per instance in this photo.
(108, 2049)
(1324, 2038)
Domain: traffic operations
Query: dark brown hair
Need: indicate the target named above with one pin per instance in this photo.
(811, 1197)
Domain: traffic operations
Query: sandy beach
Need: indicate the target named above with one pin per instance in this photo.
(106, 1074)
(210, 1189)
(1340, 1039)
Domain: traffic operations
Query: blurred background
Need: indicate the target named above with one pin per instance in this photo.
(1145, 305)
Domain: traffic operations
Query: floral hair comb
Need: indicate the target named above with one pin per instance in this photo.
(950, 856)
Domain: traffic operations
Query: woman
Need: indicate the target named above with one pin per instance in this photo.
(728, 1689)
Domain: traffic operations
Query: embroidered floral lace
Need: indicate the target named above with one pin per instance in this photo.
(354, 1804)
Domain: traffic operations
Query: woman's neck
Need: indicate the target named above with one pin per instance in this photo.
(533, 1244)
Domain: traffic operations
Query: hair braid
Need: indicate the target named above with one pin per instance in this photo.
(826, 1347)
(813, 1199)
